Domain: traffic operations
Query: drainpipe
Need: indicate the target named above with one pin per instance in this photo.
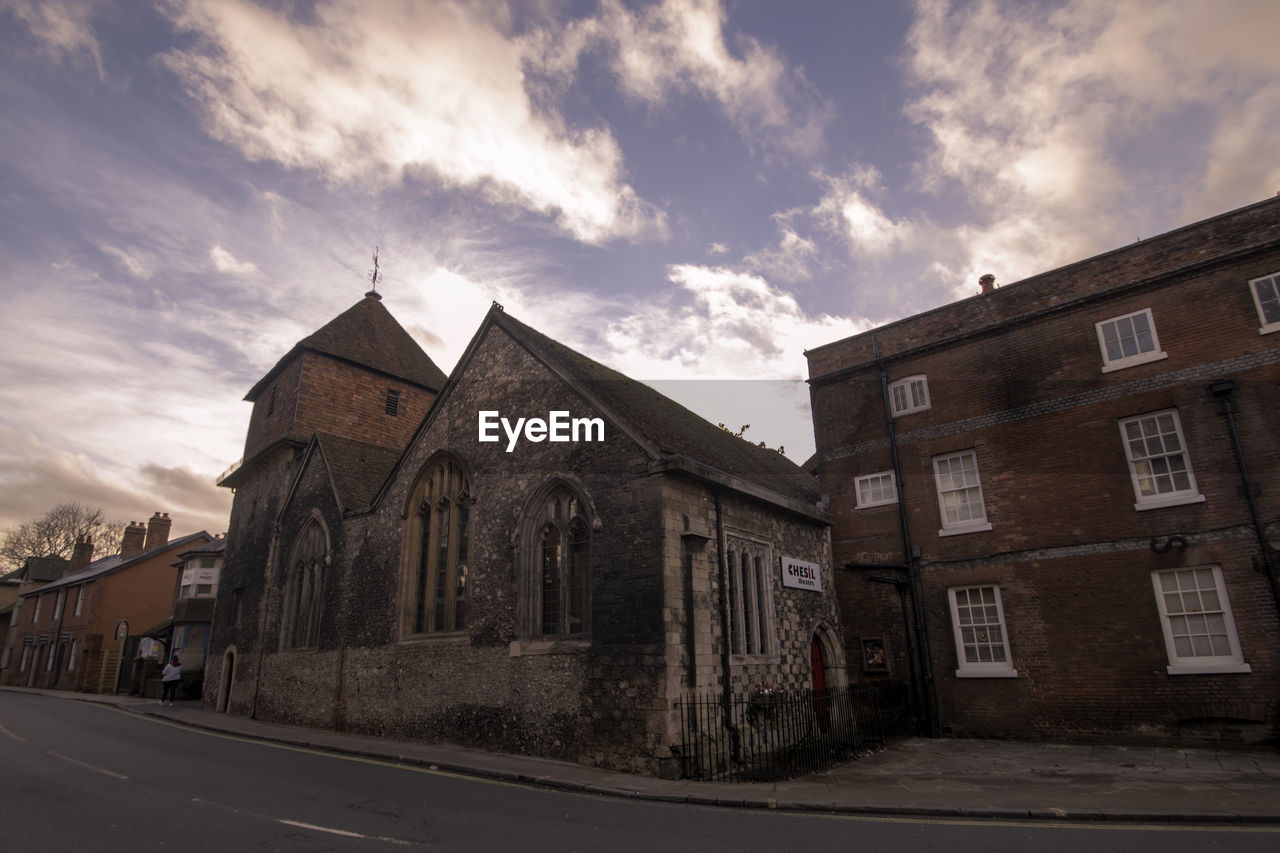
(1222, 389)
(726, 686)
(930, 703)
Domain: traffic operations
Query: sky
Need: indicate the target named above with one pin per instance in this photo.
(690, 191)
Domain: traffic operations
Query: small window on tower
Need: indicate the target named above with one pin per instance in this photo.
(393, 402)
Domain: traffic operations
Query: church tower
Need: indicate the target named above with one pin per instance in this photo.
(359, 378)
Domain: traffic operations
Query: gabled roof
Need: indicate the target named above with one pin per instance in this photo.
(356, 468)
(108, 565)
(366, 334)
(668, 428)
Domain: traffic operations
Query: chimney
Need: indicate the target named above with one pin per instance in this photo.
(134, 537)
(158, 530)
(988, 283)
(81, 555)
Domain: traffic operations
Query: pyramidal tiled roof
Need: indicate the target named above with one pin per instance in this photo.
(669, 427)
(368, 335)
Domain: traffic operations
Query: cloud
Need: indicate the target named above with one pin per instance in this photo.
(1037, 117)
(225, 262)
(37, 476)
(60, 28)
(433, 93)
(131, 260)
(790, 260)
(715, 249)
(682, 47)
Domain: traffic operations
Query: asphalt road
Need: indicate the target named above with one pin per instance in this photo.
(82, 777)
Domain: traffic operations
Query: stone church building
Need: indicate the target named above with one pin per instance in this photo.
(407, 557)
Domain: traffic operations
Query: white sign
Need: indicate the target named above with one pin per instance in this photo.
(801, 575)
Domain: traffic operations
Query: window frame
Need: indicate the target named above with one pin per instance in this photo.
(558, 508)
(1154, 354)
(868, 478)
(437, 555)
(750, 597)
(910, 404)
(80, 599)
(972, 525)
(58, 603)
(981, 669)
(1179, 497)
(1233, 662)
(1273, 279)
(306, 586)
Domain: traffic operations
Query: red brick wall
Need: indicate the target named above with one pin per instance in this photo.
(1068, 548)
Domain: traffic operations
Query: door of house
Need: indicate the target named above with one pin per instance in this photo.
(819, 666)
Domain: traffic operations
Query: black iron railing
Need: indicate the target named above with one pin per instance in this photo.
(767, 735)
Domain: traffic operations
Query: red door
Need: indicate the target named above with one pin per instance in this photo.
(819, 667)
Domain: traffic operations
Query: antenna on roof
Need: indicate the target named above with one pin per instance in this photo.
(374, 277)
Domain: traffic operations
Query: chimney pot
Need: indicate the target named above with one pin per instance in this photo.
(158, 530)
(988, 283)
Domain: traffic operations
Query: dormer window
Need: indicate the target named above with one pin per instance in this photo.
(393, 402)
(909, 395)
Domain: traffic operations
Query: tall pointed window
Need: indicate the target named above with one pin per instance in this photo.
(557, 577)
(305, 587)
(564, 548)
(439, 553)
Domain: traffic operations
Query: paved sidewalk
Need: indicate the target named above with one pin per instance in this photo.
(948, 777)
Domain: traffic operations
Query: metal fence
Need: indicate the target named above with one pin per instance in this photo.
(767, 735)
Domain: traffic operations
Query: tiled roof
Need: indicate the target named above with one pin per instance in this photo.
(113, 563)
(44, 568)
(665, 424)
(357, 468)
(368, 335)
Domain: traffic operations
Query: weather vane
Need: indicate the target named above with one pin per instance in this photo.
(374, 276)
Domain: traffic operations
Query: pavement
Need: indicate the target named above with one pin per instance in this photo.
(917, 777)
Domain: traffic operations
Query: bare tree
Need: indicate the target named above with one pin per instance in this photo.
(54, 534)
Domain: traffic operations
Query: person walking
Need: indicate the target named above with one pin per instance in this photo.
(169, 680)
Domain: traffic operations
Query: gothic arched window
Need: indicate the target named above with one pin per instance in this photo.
(439, 552)
(559, 579)
(304, 587)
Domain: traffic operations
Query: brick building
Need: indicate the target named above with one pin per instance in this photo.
(403, 571)
(1041, 508)
(64, 633)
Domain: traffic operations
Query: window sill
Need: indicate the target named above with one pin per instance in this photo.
(1180, 500)
(520, 648)
(873, 506)
(1145, 358)
(1208, 668)
(1269, 328)
(424, 639)
(992, 673)
(743, 660)
(959, 531)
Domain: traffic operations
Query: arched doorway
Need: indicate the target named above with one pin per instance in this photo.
(818, 667)
(228, 678)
